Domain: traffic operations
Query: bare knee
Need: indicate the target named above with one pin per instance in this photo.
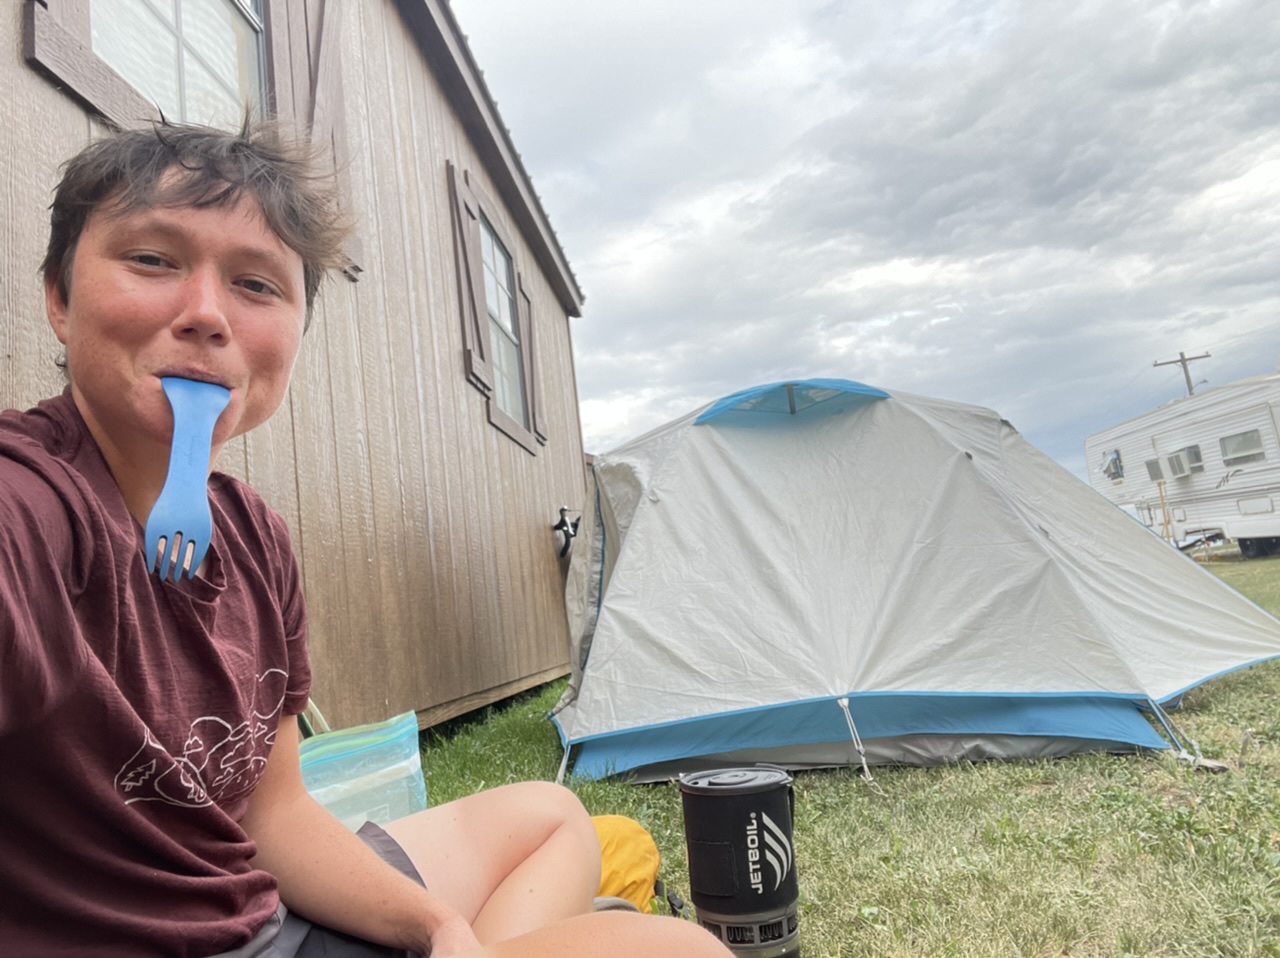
(562, 811)
(553, 804)
(543, 811)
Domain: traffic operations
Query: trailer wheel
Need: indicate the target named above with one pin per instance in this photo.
(1258, 548)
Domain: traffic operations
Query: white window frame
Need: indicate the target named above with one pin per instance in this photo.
(1253, 452)
(500, 301)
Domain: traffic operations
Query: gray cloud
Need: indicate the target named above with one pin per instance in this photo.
(1018, 205)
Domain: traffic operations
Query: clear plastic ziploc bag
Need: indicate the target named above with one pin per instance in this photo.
(370, 773)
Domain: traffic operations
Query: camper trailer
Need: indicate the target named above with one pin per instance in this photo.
(1204, 466)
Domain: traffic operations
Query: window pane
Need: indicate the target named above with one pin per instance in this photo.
(135, 42)
(506, 315)
(217, 34)
(508, 376)
(492, 295)
(508, 370)
(497, 280)
(208, 101)
(504, 273)
(1242, 447)
(165, 9)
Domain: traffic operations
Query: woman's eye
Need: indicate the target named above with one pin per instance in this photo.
(258, 286)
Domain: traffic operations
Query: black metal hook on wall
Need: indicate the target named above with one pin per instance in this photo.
(565, 529)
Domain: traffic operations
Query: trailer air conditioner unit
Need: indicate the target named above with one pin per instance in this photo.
(1113, 465)
(1176, 464)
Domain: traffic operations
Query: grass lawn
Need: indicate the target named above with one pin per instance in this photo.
(1096, 855)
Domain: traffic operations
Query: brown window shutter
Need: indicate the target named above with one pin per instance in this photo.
(57, 40)
(466, 248)
(533, 391)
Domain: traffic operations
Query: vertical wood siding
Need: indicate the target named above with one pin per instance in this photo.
(423, 531)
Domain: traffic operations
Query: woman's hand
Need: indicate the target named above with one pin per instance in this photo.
(452, 937)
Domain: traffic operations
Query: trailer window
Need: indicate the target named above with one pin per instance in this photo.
(1153, 470)
(1241, 448)
(1194, 461)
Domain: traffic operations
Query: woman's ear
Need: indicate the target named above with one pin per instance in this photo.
(55, 306)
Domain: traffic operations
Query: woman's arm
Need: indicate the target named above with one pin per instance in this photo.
(328, 875)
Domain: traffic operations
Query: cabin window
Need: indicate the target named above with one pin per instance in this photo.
(199, 61)
(1241, 448)
(1154, 472)
(497, 315)
(504, 328)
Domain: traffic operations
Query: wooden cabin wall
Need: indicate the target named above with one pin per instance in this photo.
(42, 128)
(423, 532)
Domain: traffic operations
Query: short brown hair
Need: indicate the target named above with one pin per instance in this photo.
(127, 171)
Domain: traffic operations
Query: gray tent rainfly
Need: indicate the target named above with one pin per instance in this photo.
(824, 573)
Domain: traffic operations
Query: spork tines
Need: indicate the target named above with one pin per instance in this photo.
(180, 525)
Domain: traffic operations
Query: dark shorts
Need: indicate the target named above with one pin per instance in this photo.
(287, 935)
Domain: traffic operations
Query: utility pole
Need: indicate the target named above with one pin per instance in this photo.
(1185, 362)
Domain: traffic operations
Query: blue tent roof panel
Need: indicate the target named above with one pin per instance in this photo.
(790, 398)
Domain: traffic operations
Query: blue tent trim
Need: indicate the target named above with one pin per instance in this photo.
(1099, 718)
(790, 398)
(1175, 698)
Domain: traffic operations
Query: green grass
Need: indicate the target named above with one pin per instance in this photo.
(1094, 855)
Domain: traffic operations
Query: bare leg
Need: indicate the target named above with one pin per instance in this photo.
(510, 860)
(611, 934)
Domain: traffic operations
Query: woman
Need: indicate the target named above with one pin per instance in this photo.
(152, 802)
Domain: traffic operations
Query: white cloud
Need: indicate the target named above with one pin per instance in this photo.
(1019, 205)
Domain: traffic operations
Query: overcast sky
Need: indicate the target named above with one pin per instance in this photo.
(1021, 205)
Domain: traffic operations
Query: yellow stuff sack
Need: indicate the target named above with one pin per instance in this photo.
(630, 860)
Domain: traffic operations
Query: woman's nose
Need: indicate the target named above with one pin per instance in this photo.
(204, 310)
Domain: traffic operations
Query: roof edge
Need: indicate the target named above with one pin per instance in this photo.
(445, 49)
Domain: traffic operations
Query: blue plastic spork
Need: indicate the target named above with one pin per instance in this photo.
(180, 525)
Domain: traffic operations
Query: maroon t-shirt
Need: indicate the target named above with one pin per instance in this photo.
(135, 715)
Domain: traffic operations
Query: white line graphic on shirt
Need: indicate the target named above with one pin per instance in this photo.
(218, 762)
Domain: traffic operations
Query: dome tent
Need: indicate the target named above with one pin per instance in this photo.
(815, 572)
